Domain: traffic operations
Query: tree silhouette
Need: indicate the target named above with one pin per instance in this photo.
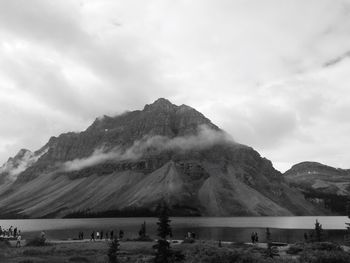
(142, 232)
(270, 252)
(318, 231)
(347, 237)
(113, 251)
(163, 251)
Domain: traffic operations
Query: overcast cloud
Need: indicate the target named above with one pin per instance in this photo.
(273, 74)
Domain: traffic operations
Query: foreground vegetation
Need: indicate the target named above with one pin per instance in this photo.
(199, 251)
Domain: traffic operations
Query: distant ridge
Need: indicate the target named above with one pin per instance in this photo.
(322, 184)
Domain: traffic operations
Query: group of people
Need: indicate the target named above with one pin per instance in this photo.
(101, 235)
(11, 232)
(254, 237)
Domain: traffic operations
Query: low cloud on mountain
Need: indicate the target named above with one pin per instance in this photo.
(205, 138)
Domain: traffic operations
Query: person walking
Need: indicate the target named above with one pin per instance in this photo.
(19, 238)
(97, 235)
(252, 236)
(92, 236)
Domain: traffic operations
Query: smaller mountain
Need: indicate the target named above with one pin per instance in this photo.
(14, 166)
(322, 184)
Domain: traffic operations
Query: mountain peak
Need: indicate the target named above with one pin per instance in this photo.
(22, 152)
(160, 103)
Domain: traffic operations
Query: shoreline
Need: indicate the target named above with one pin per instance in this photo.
(225, 234)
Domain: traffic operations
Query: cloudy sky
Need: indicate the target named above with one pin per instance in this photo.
(274, 74)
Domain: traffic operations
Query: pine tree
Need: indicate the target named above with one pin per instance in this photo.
(142, 232)
(113, 251)
(318, 231)
(269, 252)
(162, 247)
(347, 238)
(268, 235)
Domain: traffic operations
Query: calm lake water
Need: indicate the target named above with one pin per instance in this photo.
(284, 229)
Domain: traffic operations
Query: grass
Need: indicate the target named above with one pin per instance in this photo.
(37, 242)
(200, 251)
(78, 259)
(319, 256)
(4, 244)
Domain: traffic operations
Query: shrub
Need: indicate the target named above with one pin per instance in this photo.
(319, 256)
(37, 242)
(78, 259)
(36, 252)
(142, 238)
(207, 253)
(296, 248)
(4, 244)
(329, 246)
(188, 240)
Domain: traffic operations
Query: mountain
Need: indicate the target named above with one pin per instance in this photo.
(10, 170)
(127, 164)
(321, 184)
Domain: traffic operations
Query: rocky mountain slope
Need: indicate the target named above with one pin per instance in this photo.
(322, 184)
(125, 165)
(10, 170)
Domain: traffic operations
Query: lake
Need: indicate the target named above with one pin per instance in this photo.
(238, 229)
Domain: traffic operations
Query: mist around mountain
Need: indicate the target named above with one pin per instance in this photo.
(14, 166)
(125, 165)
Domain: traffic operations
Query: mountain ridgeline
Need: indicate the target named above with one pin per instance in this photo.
(326, 186)
(126, 165)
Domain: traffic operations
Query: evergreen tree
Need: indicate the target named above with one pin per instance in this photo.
(113, 251)
(164, 253)
(347, 238)
(268, 235)
(318, 231)
(142, 232)
(269, 252)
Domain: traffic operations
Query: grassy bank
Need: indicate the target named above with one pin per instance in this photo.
(199, 251)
